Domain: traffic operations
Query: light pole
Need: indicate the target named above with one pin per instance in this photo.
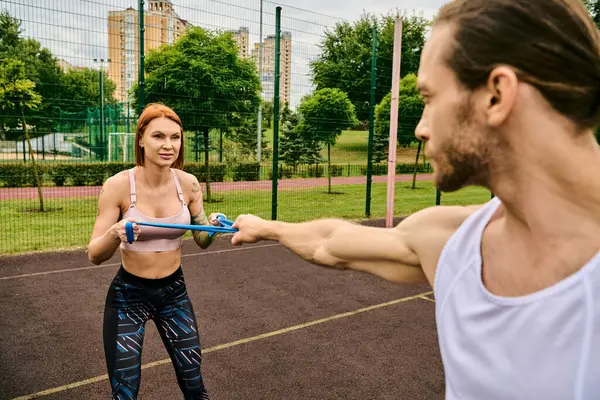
(101, 61)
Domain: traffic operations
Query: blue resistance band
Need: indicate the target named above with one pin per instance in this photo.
(226, 228)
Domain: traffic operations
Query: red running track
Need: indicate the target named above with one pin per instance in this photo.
(83, 191)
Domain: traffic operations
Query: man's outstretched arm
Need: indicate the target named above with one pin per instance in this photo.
(395, 254)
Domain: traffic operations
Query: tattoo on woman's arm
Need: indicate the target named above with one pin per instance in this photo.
(200, 219)
(98, 211)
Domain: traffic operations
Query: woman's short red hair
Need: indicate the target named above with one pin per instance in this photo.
(152, 111)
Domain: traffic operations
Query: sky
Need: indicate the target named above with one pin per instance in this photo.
(76, 30)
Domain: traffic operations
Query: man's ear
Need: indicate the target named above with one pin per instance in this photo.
(501, 94)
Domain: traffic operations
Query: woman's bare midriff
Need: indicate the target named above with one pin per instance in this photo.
(151, 264)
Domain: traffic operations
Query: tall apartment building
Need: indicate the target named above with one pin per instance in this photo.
(241, 37)
(268, 66)
(162, 26)
(66, 66)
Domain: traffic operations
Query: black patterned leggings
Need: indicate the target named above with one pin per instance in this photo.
(132, 301)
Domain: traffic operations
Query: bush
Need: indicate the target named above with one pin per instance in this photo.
(410, 168)
(20, 174)
(113, 168)
(298, 171)
(404, 168)
(217, 171)
(78, 174)
(59, 174)
(376, 169)
(315, 171)
(247, 172)
(336, 170)
(92, 174)
(87, 174)
(283, 172)
(286, 172)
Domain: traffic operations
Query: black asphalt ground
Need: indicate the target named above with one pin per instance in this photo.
(318, 340)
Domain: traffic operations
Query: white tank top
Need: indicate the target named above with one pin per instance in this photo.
(542, 346)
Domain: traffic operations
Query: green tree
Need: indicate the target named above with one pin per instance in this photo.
(74, 90)
(325, 114)
(410, 108)
(204, 80)
(10, 32)
(40, 67)
(245, 135)
(17, 97)
(82, 88)
(267, 113)
(345, 60)
(296, 146)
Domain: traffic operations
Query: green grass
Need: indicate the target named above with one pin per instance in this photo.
(350, 148)
(70, 225)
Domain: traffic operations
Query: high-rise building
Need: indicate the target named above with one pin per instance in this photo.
(162, 26)
(241, 38)
(66, 66)
(268, 66)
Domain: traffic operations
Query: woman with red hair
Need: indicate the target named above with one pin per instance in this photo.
(150, 284)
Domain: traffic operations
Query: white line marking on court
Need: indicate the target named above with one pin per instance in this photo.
(230, 344)
(428, 299)
(117, 264)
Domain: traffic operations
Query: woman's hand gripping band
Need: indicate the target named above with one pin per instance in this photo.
(225, 227)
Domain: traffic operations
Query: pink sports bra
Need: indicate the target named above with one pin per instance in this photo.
(153, 238)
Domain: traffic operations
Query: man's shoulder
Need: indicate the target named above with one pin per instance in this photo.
(429, 231)
(440, 216)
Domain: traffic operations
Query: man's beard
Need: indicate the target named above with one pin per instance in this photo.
(465, 155)
(462, 169)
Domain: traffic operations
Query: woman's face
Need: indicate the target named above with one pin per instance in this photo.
(161, 141)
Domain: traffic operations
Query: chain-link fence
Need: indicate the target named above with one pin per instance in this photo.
(74, 92)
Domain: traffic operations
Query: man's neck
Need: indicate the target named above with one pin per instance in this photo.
(550, 187)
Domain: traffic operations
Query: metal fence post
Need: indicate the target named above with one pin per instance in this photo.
(276, 114)
(141, 82)
(371, 123)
